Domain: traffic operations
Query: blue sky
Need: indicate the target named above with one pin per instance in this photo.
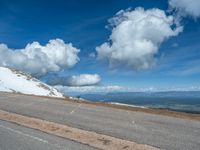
(83, 23)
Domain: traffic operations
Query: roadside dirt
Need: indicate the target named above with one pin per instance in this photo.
(86, 137)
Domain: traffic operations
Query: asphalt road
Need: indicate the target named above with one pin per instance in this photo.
(15, 137)
(156, 130)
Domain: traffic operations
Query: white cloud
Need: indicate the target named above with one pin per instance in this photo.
(39, 60)
(68, 90)
(136, 37)
(89, 89)
(186, 7)
(92, 55)
(175, 45)
(78, 80)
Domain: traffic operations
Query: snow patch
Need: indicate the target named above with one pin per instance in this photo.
(18, 82)
(122, 104)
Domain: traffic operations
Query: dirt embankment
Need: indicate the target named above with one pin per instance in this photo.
(86, 137)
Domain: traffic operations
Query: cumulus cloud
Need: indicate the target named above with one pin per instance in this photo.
(39, 60)
(136, 37)
(90, 89)
(76, 80)
(186, 7)
(67, 90)
(92, 55)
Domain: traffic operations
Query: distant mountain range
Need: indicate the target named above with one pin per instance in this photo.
(143, 95)
(187, 101)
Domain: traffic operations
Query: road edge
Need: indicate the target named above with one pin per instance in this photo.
(90, 138)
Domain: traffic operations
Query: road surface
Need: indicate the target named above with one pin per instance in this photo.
(156, 130)
(15, 137)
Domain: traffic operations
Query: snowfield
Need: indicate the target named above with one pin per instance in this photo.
(19, 82)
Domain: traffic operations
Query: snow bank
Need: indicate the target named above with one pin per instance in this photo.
(19, 82)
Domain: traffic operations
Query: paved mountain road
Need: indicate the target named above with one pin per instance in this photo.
(156, 130)
(15, 137)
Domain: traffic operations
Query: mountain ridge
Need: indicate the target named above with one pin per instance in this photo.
(15, 81)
